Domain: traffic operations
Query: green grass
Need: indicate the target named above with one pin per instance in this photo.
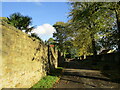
(46, 82)
(49, 80)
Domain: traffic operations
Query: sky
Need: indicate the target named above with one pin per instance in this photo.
(43, 14)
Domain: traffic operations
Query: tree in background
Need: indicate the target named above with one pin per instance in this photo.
(51, 41)
(89, 21)
(36, 36)
(20, 22)
(63, 39)
(60, 34)
(115, 7)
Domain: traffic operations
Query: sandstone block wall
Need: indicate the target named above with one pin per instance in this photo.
(24, 59)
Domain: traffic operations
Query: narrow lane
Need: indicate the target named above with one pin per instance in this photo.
(76, 75)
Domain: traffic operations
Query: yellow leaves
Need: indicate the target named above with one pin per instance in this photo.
(61, 23)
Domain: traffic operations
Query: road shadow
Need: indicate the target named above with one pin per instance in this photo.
(80, 82)
(90, 77)
(108, 69)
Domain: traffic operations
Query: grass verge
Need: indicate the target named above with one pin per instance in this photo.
(49, 80)
(46, 82)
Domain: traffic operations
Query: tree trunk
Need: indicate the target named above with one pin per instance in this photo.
(118, 24)
(93, 45)
(59, 59)
(117, 12)
(49, 59)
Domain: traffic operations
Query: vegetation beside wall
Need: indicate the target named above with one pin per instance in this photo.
(50, 80)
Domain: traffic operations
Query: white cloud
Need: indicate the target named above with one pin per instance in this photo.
(44, 31)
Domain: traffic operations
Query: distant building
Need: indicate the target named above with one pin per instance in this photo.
(107, 51)
(51, 45)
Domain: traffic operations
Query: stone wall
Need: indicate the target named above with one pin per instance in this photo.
(24, 59)
(110, 57)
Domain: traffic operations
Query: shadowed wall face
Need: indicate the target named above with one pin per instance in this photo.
(24, 59)
(110, 57)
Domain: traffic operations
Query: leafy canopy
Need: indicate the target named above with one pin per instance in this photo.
(20, 22)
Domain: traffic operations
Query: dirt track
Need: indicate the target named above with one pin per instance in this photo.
(76, 75)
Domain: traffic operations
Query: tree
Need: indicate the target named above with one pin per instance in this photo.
(60, 34)
(88, 20)
(20, 22)
(115, 6)
(63, 38)
(51, 41)
(36, 36)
